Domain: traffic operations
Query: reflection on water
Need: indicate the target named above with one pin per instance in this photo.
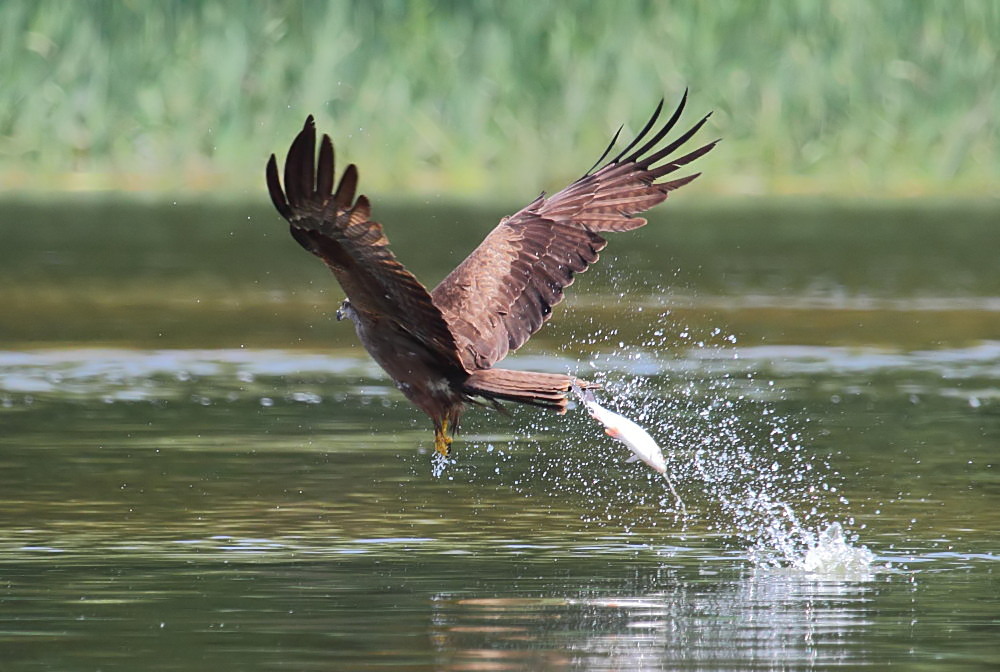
(427, 611)
(716, 622)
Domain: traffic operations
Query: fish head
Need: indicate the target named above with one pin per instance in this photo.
(656, 463)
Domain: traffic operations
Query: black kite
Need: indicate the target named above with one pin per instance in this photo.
(440, 347)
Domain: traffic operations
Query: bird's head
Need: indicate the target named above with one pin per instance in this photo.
(345, 310)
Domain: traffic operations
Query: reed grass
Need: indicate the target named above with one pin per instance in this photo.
(498, 98)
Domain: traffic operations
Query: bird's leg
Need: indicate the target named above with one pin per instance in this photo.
(442, 442)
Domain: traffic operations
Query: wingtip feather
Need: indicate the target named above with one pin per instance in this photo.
(346, 188)
(326, 168)
(642, 134)
(300, 165)
(274, 189)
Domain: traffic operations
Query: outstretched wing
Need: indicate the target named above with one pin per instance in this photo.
(337, 228)
(504, 291)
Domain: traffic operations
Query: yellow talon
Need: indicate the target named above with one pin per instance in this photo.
(442, 442)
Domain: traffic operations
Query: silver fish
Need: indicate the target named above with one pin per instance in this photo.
(637, 439)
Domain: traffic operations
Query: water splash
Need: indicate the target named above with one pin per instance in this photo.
(440, 464)
(729, 447)
(832, 553)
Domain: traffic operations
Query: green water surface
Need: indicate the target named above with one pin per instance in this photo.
(200, 469)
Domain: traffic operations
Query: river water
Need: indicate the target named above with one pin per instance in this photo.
(200, 469)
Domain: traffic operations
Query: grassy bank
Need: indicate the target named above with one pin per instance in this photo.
(854, 97)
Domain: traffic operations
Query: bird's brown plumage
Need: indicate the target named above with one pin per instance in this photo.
(440, 346)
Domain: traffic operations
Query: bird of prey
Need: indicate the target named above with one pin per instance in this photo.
(440, 346)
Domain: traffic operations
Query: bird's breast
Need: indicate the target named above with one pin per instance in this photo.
(416, 371)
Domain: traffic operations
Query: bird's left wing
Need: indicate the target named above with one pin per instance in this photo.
(504, 291)
(338, 229)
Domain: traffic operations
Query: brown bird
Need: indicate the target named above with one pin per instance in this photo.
(440, 347)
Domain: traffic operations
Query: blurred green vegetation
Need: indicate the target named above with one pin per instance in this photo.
(853, 97)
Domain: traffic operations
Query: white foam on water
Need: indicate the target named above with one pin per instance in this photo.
(832, 554)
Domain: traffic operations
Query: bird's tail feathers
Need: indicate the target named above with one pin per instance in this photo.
(547, 390)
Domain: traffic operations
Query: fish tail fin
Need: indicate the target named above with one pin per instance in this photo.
(547, 390)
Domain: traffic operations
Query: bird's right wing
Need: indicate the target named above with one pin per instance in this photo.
(338, 229)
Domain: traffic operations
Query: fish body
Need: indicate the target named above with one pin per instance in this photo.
(637, 439)
(621, 428)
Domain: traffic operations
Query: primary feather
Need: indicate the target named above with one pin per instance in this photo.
(505, 290)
